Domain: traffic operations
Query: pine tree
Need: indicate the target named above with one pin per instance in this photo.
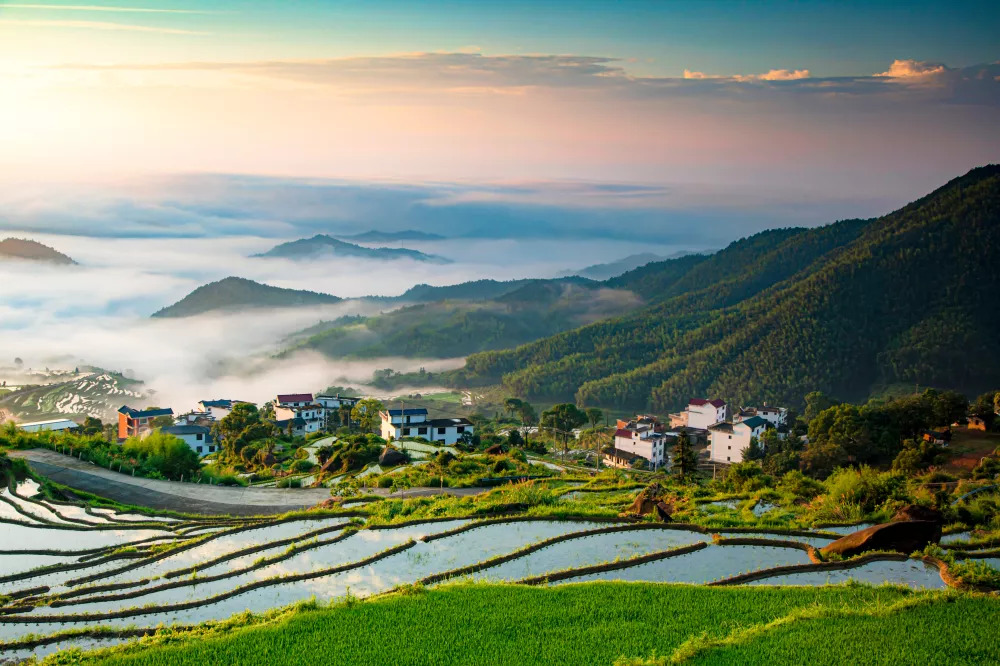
(685, 461)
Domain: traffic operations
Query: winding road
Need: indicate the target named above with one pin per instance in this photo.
(191, 497)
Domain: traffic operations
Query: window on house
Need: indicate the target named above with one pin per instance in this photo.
(441, 431)
(727, 459)
(199, 449)
(408, 432)
(421, 431)
(199, 436)
(460, 429)
(729, 448)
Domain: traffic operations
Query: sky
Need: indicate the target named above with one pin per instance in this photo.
(832, 100)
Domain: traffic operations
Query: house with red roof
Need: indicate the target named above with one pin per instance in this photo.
(700, 413)
(642, 437)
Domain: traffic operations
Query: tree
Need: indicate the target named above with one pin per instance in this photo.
(240, 427)
(366, 413)
(345, 414)
(162, 422)
(816, 402)
(165, 454)
(512, 406)
(267, 410)
(753, 451)
(594, 415)
(563, 418)
(18, 362)
(685, 461)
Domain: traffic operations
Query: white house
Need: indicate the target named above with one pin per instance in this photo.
(50, 425)
(312, 416)
(646, 443)
(403, 423)
(335, 401)
(293, 400)
(198, 437)
(702, 413)
(727, 440)
(776, 416)
(218, 409)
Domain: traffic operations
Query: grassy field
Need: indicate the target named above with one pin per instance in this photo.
(606, 623)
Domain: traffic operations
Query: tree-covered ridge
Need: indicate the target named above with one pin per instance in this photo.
(845, 308)
(449, 328)
(23, 248)
(234, 293)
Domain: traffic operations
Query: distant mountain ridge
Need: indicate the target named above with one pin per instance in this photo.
(615, 268)
(376, 236)
(235, 294)
(23, 248)
(322, 245)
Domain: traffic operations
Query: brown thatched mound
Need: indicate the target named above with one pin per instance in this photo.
(646, 501)
(917, 512)
(391, 457)
(495, 450)
(901, 537)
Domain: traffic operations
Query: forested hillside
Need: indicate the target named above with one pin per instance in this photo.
(450, 328)
(846, 309)
(236, 294)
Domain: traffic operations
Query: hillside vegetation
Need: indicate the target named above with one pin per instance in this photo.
(450, 328)
(233, 293)
(847, 309)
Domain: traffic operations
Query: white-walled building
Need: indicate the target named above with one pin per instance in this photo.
(404, 423)
(646, 443)
(776, 416)
(293, 400)
(727, 440)
(218, 409)
(312, 416)
(55, 425)
(700, 413)
(335, 401)
(198, 437)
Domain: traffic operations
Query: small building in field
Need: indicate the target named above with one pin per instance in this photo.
(293, 400)
(198, 437)
(136, 421)
(977, 423)
(728, 440)
(404, 423)
(621, 459)
(939, 437)
(52, 425)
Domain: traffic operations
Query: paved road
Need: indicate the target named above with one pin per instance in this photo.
(190, 497)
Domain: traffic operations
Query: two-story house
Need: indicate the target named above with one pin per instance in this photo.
(642, 442)
(136, 421)
(403, 423)
(728, 440)
(700, 413)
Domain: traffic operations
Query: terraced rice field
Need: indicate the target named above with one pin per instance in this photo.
(65, 568)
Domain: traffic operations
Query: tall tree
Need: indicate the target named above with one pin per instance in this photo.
(563, 418)
(594, 415)
(685, 461)
(366, 413)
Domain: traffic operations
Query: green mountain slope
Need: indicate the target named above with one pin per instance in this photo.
(846, 308)
(449, 328)
(233, 293)
(20, 248)
(321, 245)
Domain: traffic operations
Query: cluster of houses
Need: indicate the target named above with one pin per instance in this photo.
(647, 441)
(297, 414)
